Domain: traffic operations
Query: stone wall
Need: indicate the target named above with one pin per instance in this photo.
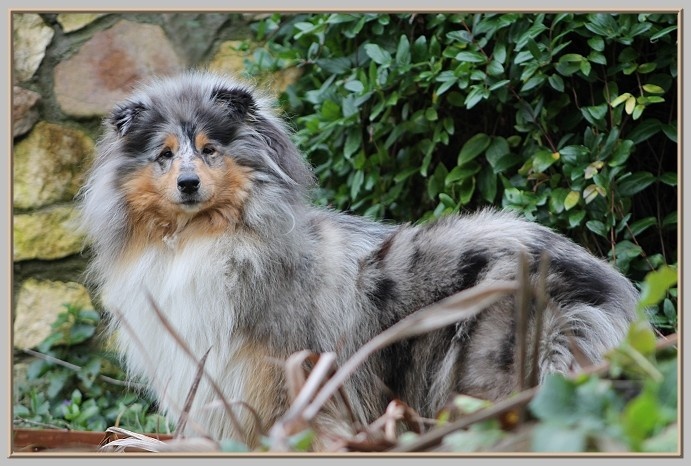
(68, 71)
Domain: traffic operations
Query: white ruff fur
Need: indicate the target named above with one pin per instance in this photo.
(189, 286)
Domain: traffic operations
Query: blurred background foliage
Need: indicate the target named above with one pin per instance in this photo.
(570, 119)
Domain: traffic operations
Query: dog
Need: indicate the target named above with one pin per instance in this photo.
(198, 203)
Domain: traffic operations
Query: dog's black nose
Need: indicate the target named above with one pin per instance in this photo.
(188, 183)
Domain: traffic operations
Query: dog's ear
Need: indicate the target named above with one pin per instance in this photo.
(125, 115)
(238, 102)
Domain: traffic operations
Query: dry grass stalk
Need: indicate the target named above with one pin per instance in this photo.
(134, 442)
(540, 308)
(434, 437)
(182, 421)
(292, 422)
(523, 300)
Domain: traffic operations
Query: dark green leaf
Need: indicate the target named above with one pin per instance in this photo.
(556, 82)
(670, 131)
(473, 147)
(596, 43)
(403, 51)
(420, 49)
(356, 184)
(662, 33)
(669, 178)
(576, 218)
(487, 184)
(644, 130)
(572, 154)
(462, 172)
(353, 142)
(631, 184)
(378, 54)
(543, 159)
(472, 57)
(474, 96)
(595, 114)
(598, 228)
(532, 83)
(495, 68)
(446, 200)
(499, 52)
(639, 226)
(621, 153)
(405, 174)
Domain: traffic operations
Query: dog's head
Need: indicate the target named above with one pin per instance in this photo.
(195, 148)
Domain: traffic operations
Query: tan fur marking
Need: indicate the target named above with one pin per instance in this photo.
(172, 143)
(154, 211)
(200, 140)
(264, 387)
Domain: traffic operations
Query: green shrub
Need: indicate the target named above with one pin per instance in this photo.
(73, 384)
(568, 118)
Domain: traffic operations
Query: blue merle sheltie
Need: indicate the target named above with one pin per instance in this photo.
(198, 201)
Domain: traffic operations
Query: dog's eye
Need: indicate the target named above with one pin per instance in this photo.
(208, 150)
(166, 154)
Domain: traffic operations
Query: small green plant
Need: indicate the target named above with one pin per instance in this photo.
(634, 409)
(73, 384)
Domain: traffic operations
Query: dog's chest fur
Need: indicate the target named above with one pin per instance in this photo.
(191, 286)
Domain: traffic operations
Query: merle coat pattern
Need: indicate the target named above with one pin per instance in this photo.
(199, 198)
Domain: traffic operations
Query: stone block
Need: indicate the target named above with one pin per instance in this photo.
(71, 22)
(38, 304)
(49, 165)
(30, 38)
(49, 233)
(24, 111)
(108, 66)
(230, 59)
